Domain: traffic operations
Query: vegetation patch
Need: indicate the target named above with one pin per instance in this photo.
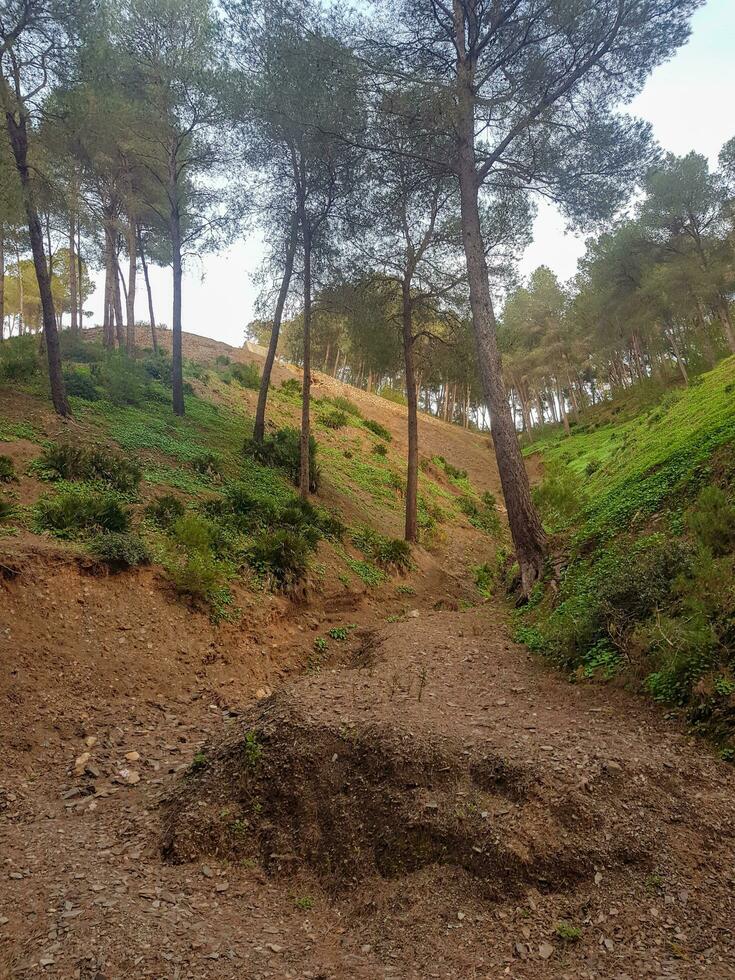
(68, 461)
(80, 510)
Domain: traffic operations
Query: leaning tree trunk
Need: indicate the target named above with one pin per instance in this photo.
(412, 471)
(18, 134)
(130, 298)
(528, 535)
(73, 304)
(304, 473)
(177, 367)
(154, 337)
(265, 380)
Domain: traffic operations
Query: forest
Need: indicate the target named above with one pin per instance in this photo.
(408, 625)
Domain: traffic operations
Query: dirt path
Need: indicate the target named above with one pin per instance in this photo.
(436, 805)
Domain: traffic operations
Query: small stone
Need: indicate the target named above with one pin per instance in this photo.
(260, 694)
(90, 741)
(414, 614)
(81, 760)
(598, 878)
(545, 950)
(274, 947)
(460, 916)
(221, 886)
(207, 871)
(47, 960)
(132, 756)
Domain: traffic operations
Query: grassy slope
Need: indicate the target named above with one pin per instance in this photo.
(642, 597)
(359, 485)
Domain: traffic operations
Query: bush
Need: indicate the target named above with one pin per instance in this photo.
(377, 429)
(380, 449)
(482, 515)
(291, 387)
(7, 470)
(80, 384)
(246, 375)
(222, 360)
(19, 360)
(165, 511)
(7, 511)
(208, 464)
(282, 450)
(158, 367)
(560, 496)
(394, 552)
(120, 549)
(125, 381)
(78, 350)
(282, 555)
(64, 461)
(452, 471)
(345, 405)
(198, 575)
(77, 510)
(336, 419)
(393, 395)
(712, 520)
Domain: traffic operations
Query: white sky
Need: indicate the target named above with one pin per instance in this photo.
(689, 102)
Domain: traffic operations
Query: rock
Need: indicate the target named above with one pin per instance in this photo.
(90, 741)
(130, 776)
(545, 950)
(132, 756)
(47, 960)
(81, 760)
(207, 871)
(260, 694)
(414, 614)
(221, 886)
(598, 878)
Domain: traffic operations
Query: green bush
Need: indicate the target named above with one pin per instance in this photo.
(165, 511)
(158, 367)
(208, 464)
(377, 429)
(336, 419)
(452, 471)
(282, 450)
(198, 575)
(388, 552)
(80, 384)
(246, 375)
(393, 395)
(222, 360)
(7, 511)
(380, 449)
(76, 349)
(345, 405)
(77, 510)
(712, 520)
(19, 360)
(65, 461)
(483, 514)
(282, 555)
(560, 496)
(120, 549)
(7, 470)
(124, 381)
(291, 387)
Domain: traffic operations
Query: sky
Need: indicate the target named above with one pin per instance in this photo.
(689, 102)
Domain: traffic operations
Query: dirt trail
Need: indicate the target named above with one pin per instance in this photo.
(434, 805)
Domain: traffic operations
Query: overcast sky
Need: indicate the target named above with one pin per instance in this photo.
(689, 101)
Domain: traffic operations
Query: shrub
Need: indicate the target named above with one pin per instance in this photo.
(385, 551)
(283, 451)
(165, 510)
(7, 511)
(78, 510)
(482, 515)
(393, 395)
(336, 419)
(19, 360)
(484, 579)
(291, 387)
(120, 549)
(380, 449)
(377, 429)
(282, 555)
(158, 367)
(560, 496)
(193, 533)
(198, 575)
(339, 401)
(125, 381)
(222, 360)
(452, 471)
(712, 520)
(78, 350)
(80, 384)
(208, 464)
(65, 461)
(7, 470)
(246, 375)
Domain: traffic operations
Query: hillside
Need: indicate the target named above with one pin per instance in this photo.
(213, 771)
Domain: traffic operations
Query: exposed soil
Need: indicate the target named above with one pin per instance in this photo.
(184, 801)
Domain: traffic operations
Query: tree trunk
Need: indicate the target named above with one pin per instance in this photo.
(108, 325)
(80, 279)
(73, 310)
(304, 474)
(562, 408)
(18, 133)
(177, 366)
(151, 317)
(528, 535)
(130, 298)
(412, 473)
(117, 305)
(265, 380)
(677, 355)
(2, 280)
(723, 312)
